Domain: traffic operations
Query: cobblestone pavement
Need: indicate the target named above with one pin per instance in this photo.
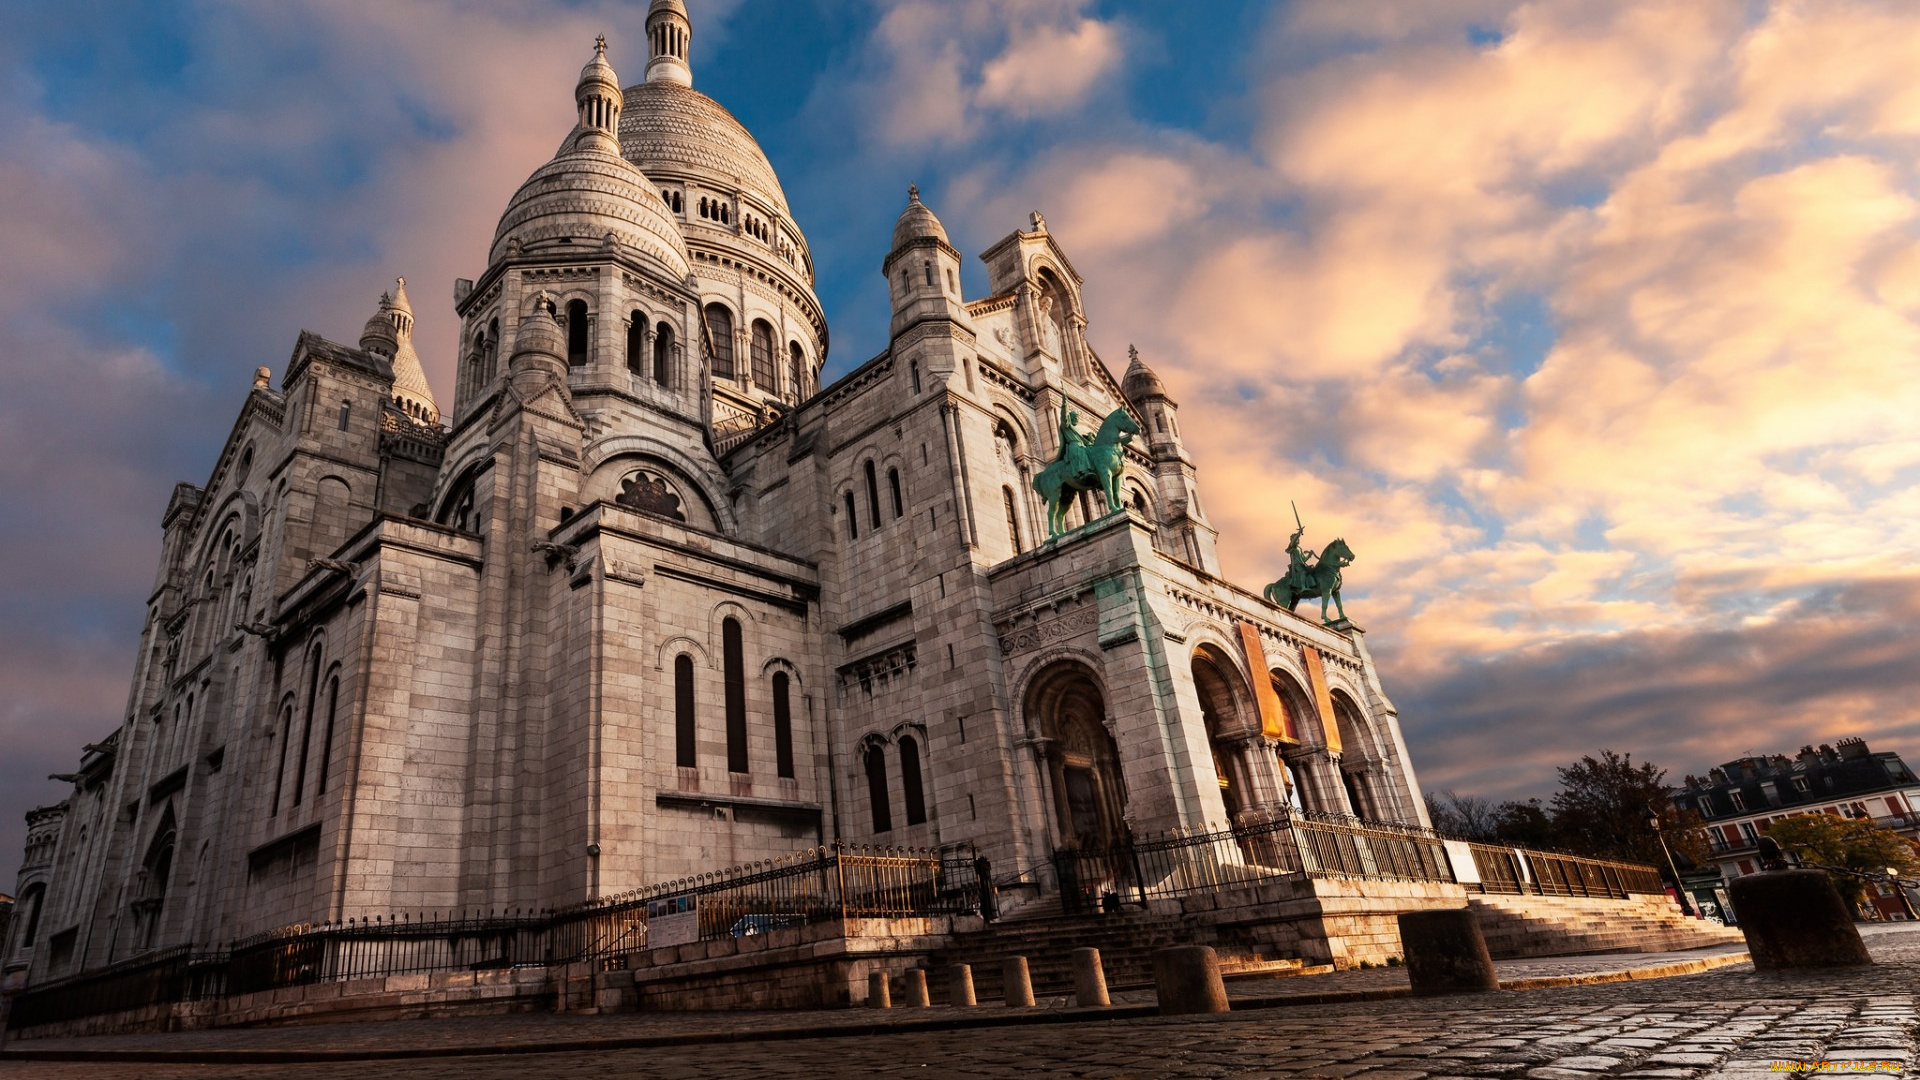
(1730, 1022)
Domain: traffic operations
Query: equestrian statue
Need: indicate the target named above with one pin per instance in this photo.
(1309, 578)
(1084, 464)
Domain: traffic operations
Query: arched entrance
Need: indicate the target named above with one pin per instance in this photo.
(1067, 712)
(1228, 728)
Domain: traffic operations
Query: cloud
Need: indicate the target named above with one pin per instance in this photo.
(936, 71)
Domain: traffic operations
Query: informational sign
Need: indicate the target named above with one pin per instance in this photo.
(1322, 698)
(1460, 854)
(1273, 717)
(673, 921)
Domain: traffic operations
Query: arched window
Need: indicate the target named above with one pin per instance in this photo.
(782, 725)
(929, 270)
(346, 414)
(30, 901)
(873, 497)
(910, 785)
(286, 739)
(720, 330)
(662, 353)
(576, 333)
(762, 344)
(853, 519)
(736, 673)
(306, 728)
(1013, 521)
(683, 749)
(913, 371)
(877, 801)
(899, 503)
(637, 343)
(326, 740)
(796, 371)
(493, 349)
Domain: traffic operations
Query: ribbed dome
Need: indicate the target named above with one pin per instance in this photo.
(378, 336)
(917, 222)
(1140, 383)
(540, 335)
(667, 128)
(582, 195)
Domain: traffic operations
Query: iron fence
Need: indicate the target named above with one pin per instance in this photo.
(1522, 871)
(835, 882)
(155, 979)
(1304, 845)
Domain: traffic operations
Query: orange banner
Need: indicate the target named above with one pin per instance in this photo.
(1322, 700)
(1273, 718)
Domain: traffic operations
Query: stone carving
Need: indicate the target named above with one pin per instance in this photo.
(650, 494)
(1047, 632)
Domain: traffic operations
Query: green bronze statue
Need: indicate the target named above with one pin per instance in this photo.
(1084, 464)
(1309, 578)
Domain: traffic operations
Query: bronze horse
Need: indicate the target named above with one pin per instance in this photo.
(1322, 579)
(1106, 452)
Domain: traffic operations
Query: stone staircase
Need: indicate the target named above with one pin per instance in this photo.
(1527, 926)
(1126, 940)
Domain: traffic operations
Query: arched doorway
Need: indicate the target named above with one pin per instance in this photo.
(1067, 711)
(1229, 727)
(1360, 760)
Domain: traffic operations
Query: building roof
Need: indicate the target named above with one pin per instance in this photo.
(667, 129)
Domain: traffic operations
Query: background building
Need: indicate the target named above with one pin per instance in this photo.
(1741, 799)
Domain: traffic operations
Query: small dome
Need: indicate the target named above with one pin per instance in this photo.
(917, 222)
(378, 336)
(597, 74)
(1140, 383)
(540, 333)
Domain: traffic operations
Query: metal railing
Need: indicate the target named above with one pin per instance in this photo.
(820, 884)
(1521, 871)
(1305, 845)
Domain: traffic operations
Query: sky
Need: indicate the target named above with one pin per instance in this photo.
(1593, 328)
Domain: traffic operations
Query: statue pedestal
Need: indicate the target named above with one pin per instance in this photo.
(1344, 625)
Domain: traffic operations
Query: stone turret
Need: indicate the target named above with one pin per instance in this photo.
(669, 32)
(923, 269)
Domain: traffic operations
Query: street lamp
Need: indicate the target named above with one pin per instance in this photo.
(1679, 887)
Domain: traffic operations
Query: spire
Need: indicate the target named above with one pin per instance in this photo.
(598, 97)
(411, 394)
(669, 32)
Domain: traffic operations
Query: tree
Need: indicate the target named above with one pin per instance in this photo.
(1829, 840)
(1468, 816)
(1604, 804)
(1524, 823)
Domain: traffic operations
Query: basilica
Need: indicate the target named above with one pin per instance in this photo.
(642, 598)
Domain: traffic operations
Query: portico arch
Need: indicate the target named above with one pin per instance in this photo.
(1229, 723)
(1066, 712)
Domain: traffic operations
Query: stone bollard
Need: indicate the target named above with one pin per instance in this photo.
(1795, 919)
(916, 988)
(960, 985)
(1186, 978)
(1446, 953)
(879, 996)
(1018, 983)
(1089, 979)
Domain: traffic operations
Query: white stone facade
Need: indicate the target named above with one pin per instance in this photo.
(653, 603)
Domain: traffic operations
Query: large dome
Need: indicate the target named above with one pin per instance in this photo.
(581, 196)
(667, 128)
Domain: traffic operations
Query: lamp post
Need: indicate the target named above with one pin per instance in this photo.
(1679, 887)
